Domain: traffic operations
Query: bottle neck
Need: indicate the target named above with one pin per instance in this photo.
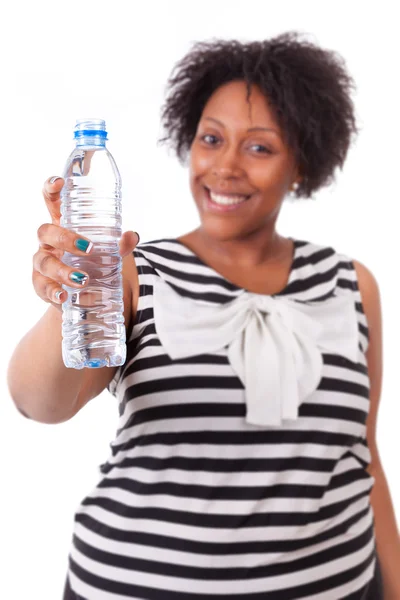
(95, 141)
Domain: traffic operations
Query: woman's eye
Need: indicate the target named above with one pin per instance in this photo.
(212, 140)
(209, 135)
(261, 149)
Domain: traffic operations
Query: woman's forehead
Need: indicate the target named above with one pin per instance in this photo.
(231, 106)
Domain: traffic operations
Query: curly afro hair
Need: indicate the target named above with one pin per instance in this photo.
(307, 88)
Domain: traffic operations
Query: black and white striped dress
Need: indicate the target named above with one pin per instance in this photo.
(194, 502)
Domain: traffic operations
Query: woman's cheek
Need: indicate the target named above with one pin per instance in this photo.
(200, 160)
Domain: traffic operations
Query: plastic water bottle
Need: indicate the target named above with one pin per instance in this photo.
(93, 327)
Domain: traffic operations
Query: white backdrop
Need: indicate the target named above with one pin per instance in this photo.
(64, 60)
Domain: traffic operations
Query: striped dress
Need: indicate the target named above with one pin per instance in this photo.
(195, 503)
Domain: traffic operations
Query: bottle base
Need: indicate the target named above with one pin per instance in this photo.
(94, 358)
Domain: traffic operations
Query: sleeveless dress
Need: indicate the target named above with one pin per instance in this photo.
(238, 469)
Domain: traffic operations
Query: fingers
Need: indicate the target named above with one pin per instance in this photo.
(49, 290)
(58, 240)
(49, 274)
(128, 242)
(52, 197)
(48, 265)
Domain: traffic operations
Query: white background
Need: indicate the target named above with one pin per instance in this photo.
(64, 60)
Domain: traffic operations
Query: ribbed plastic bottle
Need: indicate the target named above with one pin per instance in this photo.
(93, 327)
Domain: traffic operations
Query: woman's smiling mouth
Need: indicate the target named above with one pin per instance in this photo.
(222, 202)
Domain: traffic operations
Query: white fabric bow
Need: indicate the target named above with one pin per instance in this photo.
(274, 343)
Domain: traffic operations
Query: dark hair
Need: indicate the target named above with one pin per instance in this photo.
(307, 87)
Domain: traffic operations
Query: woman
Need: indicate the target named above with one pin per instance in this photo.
(245, 463)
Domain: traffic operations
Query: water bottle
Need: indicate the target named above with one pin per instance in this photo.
(93, 327)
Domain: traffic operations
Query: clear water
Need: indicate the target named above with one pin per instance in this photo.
(93, 327)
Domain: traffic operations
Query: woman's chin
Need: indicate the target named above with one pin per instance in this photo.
(221, 231)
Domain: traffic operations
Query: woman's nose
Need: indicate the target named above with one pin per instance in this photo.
(227, 171)
(227, 164)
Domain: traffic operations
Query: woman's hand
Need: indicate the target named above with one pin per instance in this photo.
(49, 272)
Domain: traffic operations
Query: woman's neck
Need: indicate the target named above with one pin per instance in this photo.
(252, 251)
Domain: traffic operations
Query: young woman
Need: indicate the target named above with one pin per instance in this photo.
(245, 465)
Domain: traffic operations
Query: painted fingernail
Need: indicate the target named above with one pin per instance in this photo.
(77, 277)
(58, 295)
(138, 237)
(83, 245)
(53, 179)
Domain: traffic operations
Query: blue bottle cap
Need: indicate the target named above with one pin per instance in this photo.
(90, 127)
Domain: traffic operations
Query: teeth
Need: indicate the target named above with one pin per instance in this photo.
(227, 199)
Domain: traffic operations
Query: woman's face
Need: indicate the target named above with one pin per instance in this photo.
(240, 167)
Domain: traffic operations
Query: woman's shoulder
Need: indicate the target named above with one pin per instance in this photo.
(323, 253)
(168, 247)
(167, 255)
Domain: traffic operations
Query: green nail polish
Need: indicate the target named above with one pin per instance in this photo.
(77, 277)
(83, 245)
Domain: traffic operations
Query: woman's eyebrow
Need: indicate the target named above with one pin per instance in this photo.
(251, 128)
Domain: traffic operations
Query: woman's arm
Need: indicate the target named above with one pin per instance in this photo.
(41, 386)
(386, 530)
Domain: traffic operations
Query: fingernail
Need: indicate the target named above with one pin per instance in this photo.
(53, 179)
(84, 245)
(77, 277)
(138, 237)
(58, 294)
